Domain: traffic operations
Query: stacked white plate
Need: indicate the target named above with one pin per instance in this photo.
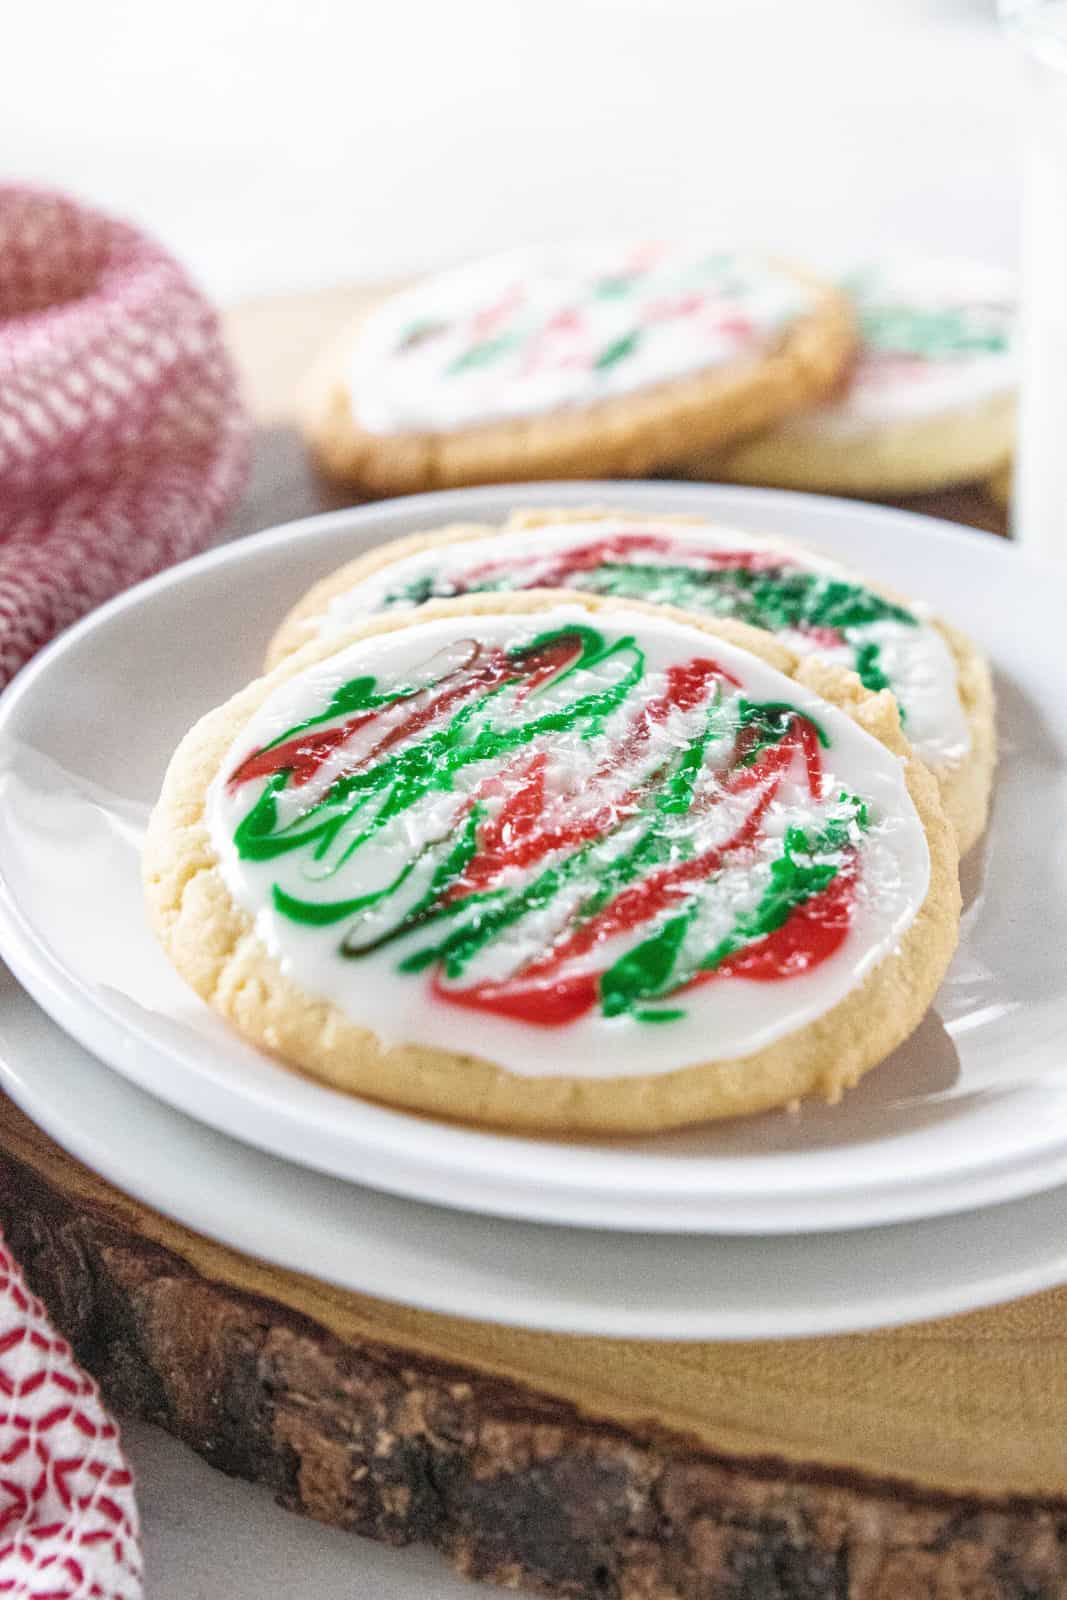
(939, 1184)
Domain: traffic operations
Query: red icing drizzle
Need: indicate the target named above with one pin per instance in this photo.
(306, 752)
(810, 935)
(567, 564)
(512, 838)
(524, 829)
(303, 754)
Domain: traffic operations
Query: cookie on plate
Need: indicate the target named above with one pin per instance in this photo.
(930, 401)
(812, 603)
(573, 362)
(555, 862)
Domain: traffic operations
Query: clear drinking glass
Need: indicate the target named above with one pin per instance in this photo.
(1039, 514)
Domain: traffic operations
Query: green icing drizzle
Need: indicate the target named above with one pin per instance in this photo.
(935, 334)
(869, 670)
(482, 354)
(807, 865)
(615, 288)
(776, 599)
(429, 893)
(493, 330)
(618, 351)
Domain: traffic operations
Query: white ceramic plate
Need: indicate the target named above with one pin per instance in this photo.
(571, 1280)
(973, 1110)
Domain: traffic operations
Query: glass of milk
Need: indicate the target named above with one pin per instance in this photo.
(1040, 497)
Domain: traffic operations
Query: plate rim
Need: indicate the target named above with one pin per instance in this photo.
(899, 1201)
(820, 1317)
(400, 507)
(43, 973)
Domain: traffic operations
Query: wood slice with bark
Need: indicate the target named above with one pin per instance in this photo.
(925, 1464)
(850, 1469)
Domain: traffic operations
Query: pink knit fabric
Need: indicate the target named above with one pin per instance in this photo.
(68, 1520)
(122, 438)
(122, 446)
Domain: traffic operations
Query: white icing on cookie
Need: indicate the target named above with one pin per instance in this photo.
(936, 338)
(913, 656)
(569, 326)
(584, 784)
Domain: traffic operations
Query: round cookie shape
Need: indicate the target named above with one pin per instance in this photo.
(530, 332)
(571, 360)
(522, 860)
(813, 604)
(929, 401)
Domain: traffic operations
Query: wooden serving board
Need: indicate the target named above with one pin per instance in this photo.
(925, 1462)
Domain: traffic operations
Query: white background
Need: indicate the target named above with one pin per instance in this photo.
(283, 144)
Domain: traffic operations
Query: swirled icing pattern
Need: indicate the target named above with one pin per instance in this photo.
(812, 603)
(533, 331)
(484, 831)
(935, 337)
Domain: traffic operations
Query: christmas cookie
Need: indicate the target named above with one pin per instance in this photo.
(557, 862)
(813, 604)
(929, 404)
(573, 362)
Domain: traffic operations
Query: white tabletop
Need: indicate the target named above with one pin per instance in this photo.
(207, 1536)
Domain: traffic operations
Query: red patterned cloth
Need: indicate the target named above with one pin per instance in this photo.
(122, 446)
(68, 1520)
(122, 438)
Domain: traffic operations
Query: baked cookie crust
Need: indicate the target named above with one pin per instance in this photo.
(628, 436)
(213, 943)
(909, 457)
(965, 785)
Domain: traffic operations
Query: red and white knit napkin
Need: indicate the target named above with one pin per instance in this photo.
(68, 1520)
(122, 438)
(123, 444)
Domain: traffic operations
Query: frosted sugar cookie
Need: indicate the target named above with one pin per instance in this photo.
(812, 603)
(930, 402)
(557, 862)
(573, 361)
